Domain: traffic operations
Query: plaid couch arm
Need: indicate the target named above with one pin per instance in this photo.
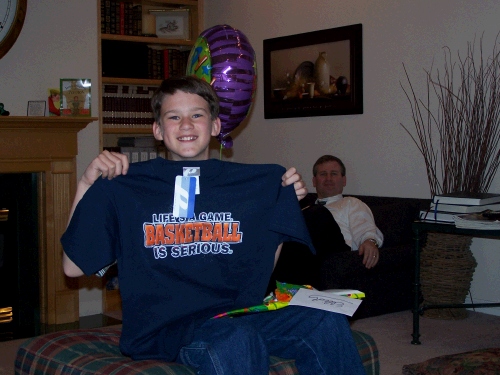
(368, 351)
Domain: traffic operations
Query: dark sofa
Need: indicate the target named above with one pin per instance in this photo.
(388, 286)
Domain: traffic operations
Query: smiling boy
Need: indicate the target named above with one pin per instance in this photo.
(189, 248)
(185, 126)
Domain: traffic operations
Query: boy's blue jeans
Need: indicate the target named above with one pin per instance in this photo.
(320, 342)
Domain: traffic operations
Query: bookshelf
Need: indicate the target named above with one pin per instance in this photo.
(126, 80)
(123, 54)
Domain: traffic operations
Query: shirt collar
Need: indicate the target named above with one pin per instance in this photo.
(329, 200)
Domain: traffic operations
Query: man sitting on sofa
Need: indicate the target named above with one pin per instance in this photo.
(335, 223)
(353, 217)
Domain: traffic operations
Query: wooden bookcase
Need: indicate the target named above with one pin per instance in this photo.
(126, 76)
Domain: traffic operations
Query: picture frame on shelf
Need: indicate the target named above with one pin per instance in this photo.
(36, 108)
(75, 97)
(172, 23)
(54, 101)
(318, 73)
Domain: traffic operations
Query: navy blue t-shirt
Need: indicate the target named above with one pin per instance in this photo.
(176, 273)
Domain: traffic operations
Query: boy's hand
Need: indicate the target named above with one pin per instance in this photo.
(106, 165)
(292, 177)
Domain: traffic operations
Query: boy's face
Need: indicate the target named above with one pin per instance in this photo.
(186, 126)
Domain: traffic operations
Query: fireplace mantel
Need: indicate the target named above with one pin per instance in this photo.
(47, 146)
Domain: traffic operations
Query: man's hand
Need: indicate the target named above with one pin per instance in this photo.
(292, 177)
(370, 253)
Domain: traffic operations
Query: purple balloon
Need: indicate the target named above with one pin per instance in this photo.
(233, 76)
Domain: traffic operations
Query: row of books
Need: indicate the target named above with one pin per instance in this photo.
(166, 62)
(121, 17)
(139, 148)
(127, 106)
(462, 208)
(142, 61)
(137, 154)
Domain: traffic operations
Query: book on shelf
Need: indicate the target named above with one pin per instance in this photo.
(166, 64)
(465, 198)
(137, 19)
(112, 17)
(464, 209)
(144, 154)
(121, 17)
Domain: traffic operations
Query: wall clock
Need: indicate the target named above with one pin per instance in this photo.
(12, 13)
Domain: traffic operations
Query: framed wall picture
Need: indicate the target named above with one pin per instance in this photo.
(172, 23)
(318, 73)
(36, 108)
(75, 97)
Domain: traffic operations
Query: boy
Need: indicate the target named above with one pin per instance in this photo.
(181, 265)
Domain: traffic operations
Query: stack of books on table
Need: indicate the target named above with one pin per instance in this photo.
(446, 207)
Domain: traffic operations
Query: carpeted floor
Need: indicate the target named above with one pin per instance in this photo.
(392, 332)
(8, 351)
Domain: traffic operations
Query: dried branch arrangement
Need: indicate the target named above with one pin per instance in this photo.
(458, 124)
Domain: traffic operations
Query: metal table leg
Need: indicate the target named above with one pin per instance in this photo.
(416, 290)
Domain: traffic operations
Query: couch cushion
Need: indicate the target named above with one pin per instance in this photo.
(85, 352)
(395, 221)
(96, 351)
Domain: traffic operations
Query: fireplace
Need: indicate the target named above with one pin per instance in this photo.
(19, 266)
(47, 147)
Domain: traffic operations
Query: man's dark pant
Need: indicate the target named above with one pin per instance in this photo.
(297, 264)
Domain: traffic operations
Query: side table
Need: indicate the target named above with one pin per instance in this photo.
(420, 229)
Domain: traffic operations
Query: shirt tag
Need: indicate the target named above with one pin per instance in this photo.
(194, 172)
(184, 194)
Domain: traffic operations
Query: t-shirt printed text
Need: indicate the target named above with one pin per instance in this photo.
(206, 233)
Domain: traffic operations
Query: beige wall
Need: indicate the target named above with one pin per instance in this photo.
(380, 157)
(59, 40)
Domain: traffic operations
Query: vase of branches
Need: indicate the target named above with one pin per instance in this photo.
(457, 131)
